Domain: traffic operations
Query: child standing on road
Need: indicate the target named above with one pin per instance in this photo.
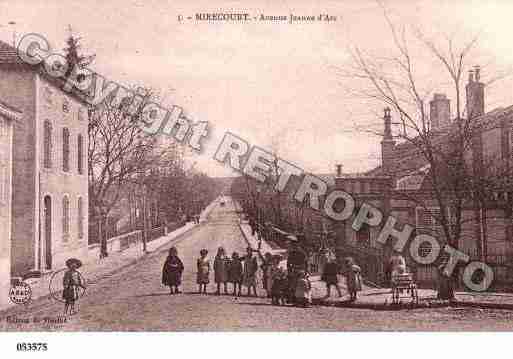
(279, 287)
(330, 277)
(71, 283)
(354, 279)
(266, 266)
(303, 290)
(250, 269)
(235, 271)
(172, 271)
(203, 272)
(221, 270)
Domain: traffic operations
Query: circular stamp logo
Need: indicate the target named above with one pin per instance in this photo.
(20, 293)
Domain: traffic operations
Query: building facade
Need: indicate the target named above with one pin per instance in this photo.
(50, 182)
(7, 117)
(401, 187)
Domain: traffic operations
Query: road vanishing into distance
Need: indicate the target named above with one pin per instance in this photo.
(133, 299)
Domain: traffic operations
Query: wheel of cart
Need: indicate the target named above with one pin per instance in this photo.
(403, 286)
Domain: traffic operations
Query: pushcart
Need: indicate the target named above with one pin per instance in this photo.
(403, 286)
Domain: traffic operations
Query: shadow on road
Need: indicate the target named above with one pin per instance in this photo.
(152, 295)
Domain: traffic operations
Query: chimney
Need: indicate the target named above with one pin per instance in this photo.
(475, 93)
(339, 170)
(387, 144)
(439, 110)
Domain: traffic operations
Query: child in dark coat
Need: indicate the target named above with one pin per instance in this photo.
(330, 277)
(172, 271)
(221, 270)
(279, 287)
(235, 272)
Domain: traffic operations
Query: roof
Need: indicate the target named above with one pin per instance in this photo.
(9, 107)
(407, 160)
(9, 55)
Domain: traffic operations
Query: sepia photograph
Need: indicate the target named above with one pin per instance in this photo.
(263, 166)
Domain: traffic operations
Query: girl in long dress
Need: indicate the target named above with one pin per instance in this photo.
(71, 283)
(250, 269)
(203, 274)
(172, 271)
(221, 270)
(354, 279)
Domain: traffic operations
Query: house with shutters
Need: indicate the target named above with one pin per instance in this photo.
(49, 195)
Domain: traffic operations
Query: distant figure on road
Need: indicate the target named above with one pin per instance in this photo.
(252, 224)
(172, 271)
(203, 274)
(353, 277)
(250, 269)
(235, 273)
(221, 270)
(71, 283)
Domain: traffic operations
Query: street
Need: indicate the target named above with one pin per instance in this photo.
(133, 299)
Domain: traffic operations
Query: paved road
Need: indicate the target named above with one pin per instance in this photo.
(134, 300)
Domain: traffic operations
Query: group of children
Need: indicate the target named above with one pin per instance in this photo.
(241, 271)
(236, 270)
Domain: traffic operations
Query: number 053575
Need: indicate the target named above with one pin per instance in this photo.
(32, 347)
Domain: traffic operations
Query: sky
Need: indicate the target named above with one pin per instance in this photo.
(277, 85)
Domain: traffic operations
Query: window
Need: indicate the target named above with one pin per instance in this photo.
(80, 155)
(65, 219)
(65, 106)
(427, 220)
(47, 150)
(65, 150)
(363, 236)
(80, 213)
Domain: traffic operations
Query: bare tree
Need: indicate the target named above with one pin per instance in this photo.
(119, 153)
(456, 175)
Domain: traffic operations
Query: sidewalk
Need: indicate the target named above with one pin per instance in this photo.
(381, 298)
(253, 240)
(93, 270)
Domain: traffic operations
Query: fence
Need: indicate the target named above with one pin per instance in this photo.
(119, 243)
(156, 233)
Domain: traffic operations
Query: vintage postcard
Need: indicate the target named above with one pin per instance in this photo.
(260, 166)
